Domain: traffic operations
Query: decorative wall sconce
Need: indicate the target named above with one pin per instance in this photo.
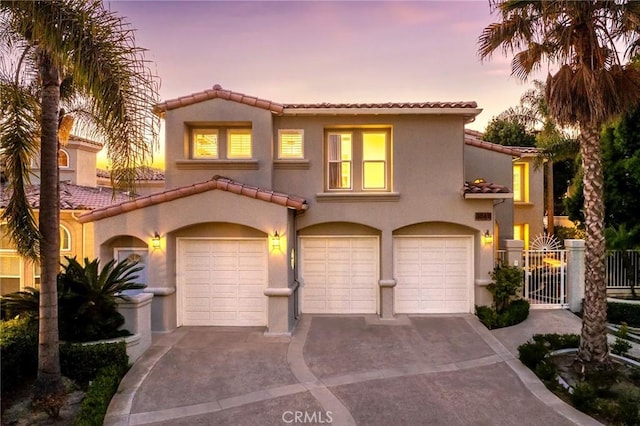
(155, 241)
(487, 238)
(275, 241)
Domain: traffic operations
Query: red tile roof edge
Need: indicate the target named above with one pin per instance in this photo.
(471, 187)
(514, 152)
(217, 182)
(218, 92)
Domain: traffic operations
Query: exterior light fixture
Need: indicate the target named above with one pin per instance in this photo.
(275, 241)
(487, 238)
(155, 241)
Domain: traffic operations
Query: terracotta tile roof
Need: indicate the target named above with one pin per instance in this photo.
(217, 182)
(142, 173)
(493, 147)
(72, 197)
(218, 92)
(482, 187)
(528, 149)
(74, 138)
(405, 105)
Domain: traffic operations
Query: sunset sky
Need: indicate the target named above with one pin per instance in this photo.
(325, 51)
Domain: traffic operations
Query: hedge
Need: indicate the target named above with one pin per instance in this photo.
(624, 312)
(80, 362)
(95, 404)
(515, 312)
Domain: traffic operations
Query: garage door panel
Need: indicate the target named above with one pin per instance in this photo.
(223, 282)
(434, 274)
(339, 274)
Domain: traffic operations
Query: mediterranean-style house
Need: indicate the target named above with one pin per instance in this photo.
(267, 211)
(274, 210)
(82, 189)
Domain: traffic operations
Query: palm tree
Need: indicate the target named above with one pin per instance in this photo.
(590, 86)
(76, 52)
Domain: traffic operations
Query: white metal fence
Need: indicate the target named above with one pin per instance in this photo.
(622, 269)
(545, 278)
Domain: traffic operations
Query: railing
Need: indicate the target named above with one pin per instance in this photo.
(501, 257)
(622, 269)
(545, 278)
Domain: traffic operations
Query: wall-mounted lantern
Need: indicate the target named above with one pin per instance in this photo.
(155, 241)
(275, 241)
(487, 238)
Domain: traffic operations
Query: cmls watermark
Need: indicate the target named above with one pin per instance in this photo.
(302, 417)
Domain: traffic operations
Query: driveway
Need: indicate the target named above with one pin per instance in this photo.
(344, 370)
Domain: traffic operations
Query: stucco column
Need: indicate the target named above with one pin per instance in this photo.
(386, 283)
(575, 273)
(514, 250)
(136, 310)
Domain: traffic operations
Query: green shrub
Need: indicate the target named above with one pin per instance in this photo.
(532, 353)
(507, 281)
(18, 351)
(621, 346)
(89, 296)
(584, 397)
(547, 371)
(514, 313)
(488, 316)
(555, 341)
(623, 312)
(95, 404)
(628, 409)
(81, 363)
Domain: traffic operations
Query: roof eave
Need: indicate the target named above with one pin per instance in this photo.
(490, 196)
(469, 113)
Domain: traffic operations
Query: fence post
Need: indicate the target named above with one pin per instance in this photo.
(514, 250)
(575, 273)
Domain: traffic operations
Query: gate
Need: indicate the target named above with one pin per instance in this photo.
(545, 277)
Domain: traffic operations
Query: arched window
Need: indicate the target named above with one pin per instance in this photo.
(65, 239)
(63, 159)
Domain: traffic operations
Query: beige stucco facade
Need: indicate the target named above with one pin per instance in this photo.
(426, 169)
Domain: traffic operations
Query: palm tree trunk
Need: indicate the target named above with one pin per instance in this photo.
(49, 381)
(593, 340)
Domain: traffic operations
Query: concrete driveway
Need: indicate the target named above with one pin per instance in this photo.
(344, 370)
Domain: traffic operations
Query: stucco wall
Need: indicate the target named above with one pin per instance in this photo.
(533, 211)
(179, 122)
(212, 214)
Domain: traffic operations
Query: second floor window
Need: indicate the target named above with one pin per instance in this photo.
(358, 160)
(221, 143)
(290, 144)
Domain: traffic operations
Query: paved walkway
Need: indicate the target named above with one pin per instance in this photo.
(345, 370)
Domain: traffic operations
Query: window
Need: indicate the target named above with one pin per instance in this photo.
(63, 159)
(358, 160)
(340, 153)
(238, 143)
(521, 182)
(291, 144)
(521, 232)
(65, 239)
(205, 144)
(222, 143)
(374, 160)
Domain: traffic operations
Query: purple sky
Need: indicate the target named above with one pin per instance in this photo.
(324, 51)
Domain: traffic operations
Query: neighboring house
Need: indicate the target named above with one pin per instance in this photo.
(79, 193)
(272, 210)
(76, 239)
(148, 180)
(522, 219)
(528, 197)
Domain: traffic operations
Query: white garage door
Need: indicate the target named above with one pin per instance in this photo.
(340, 275)
(433, 274)
(222, 282)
